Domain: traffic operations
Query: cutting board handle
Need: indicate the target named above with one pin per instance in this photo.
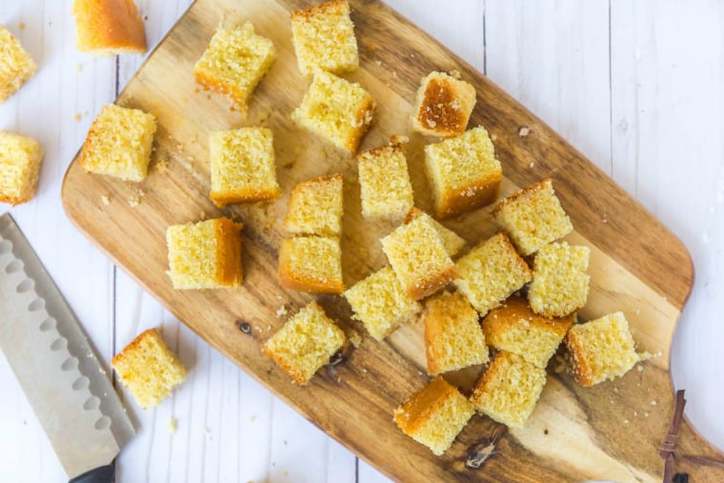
(102, 474)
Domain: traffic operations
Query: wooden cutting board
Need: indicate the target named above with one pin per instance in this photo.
(610, 431)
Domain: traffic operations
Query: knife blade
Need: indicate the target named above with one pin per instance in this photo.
(54, 362)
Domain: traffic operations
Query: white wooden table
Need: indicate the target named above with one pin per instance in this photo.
(636, 86)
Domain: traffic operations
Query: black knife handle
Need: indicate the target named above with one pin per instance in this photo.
(102, 474)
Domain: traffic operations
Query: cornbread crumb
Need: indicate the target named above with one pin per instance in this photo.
(452, 241)
(311, 264)
(385, 187)
(316, 207)
(148, 368)
(435, 415)
(106, 200)
(560, 281)
(16, 65)
(523, 131)
(281, 311)
(20, 160)
(443, 105)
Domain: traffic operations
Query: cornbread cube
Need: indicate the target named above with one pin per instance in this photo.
(16, 65)
(509, 389)
(435, 415)
(491, 272)
(463, 172)
(242, 166)
(311, 264)
(205, 254)
(560, 281)
(385, 186)
(235, 62)
(149, 369)
(381, 304)
(20, 159)
(453, 337)
(108, 27)
(602, 349)
(533, 217)
(452, 241)
(305, 343)
(418, 256)
(336, 110)
(323, 37)
(443, 105)
(119, 143)
(316, 207)
(514, 327)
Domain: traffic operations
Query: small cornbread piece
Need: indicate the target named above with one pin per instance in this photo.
(323, 37)
(336, 110)
(311, 264)
(235, 62)
(452, 241)
(108, 27)
(443, 105)
(560, 281)
(435, 415)
(242, 166)
(509, 389)
(20, 159)
(533, 217)
(149, 369)
(119, 143)
(463, 172)
(16, 65)
(491, 272)
(205, 254)
(602, 349)
(380, 303)
(453, 337)
(514, 327)
(384, 182)
(417, 255)
(316, 207)
(305, 343)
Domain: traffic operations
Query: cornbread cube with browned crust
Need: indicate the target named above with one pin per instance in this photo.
(452, 241)
(305, 343)
(509, 389)
(16, 65)
(453, 337)
(311, 264)
(560, 281)
(514, 327)
(149, 369)
(533, 217)
(323, 37)
(443, 105)
(463, 172)
(385, 187)
(109, 27)
(435, 415)
(205, 254)
(491, 272)
(602, 349)
(316, 207)
(20, 159)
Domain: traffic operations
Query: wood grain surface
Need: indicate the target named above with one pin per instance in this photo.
(611, 431)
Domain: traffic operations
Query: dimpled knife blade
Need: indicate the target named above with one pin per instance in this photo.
(70, 392)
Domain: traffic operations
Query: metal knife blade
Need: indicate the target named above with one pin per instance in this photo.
(70, 392)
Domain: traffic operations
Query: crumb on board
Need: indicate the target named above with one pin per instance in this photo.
(162, 165)
(355, 338)
(281, 311)
(523, 131)
(532, 164)
(455, 74)
(106, 200)
(136, 198)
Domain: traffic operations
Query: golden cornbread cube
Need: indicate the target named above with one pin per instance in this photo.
(514, 327)
(453, 336)
(533, 217)
(119, 143)
(323, 37)
(418, 256)
(443, 105)
(385, 187)
(235, 62)
(463, 171)
(16, 65)
(242, 166)
(560, 281)
(491, 272)
(336, 110)
(20, 159)
(311, 264)
(109, 27)
(452, 241)
(316, 207)
(305, 343)
(381, 304)
(435, 415)
(602, 349)
(149, 369)
(206, 254)
(509, 389)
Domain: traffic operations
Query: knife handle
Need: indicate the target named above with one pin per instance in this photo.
(102, 474)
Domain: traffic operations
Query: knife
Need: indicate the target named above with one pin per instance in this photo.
(57, 367)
